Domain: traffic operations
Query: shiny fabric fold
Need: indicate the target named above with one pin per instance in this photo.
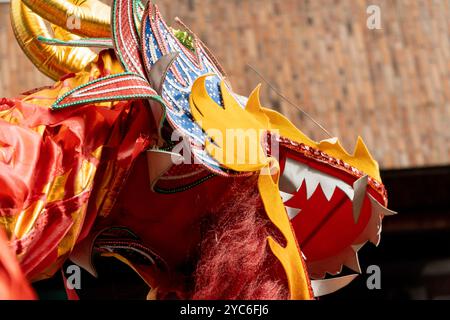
(60, 170)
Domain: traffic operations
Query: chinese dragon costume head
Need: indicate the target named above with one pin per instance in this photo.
(142, 152)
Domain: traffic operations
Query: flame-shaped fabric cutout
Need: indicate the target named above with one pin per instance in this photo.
(230, 125)
(290, 255)
(360, 159)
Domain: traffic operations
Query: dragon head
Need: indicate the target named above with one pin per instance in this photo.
(324, 188)
(333, 201)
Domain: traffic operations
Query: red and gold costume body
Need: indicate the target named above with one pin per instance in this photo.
(83, 177)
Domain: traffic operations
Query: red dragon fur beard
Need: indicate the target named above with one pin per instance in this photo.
(235, 261)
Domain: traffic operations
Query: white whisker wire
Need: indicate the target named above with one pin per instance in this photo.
(278, 93)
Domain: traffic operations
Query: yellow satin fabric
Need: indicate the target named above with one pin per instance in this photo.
(53, 61)
(94, 16)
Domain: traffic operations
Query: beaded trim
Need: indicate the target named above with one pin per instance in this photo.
(154, 24)
(156, 36)
(184, 188)
(125, 36)
(86, 42)
(138, 9)
(144, 91)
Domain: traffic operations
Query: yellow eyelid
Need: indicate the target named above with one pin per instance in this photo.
(201, 99)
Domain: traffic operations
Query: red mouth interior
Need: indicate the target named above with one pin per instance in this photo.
(324, 228)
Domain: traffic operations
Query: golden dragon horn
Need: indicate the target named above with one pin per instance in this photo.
(87, 18)
(53, 61)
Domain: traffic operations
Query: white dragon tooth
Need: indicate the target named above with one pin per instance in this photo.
(333, 265)
(311, 184)
(357, 247)
(352, 261)
(375, 235)
(293, 176)
(377, 206)
(376, 239)
(292, 212)
(359, 187)
(372, 232)
(286, 196)
(378, 212)
(328, 189)
(329, 183)
(328, 286)
(347, 189)
(296, 172)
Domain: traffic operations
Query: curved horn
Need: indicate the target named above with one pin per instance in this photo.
(53, 61)
(88, 18)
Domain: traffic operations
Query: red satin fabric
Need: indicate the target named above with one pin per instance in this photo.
(50, 166)
(13, 284)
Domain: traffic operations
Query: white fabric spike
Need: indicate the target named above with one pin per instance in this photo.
(357, 247)
(352, 261)
(380, 208)
(159, 162)
(328, 189)
(292, 212)
(311, 184)
(285, 196)
(372, 232)
(296, 172)
(360, 188)
(293, 176)
(334, 265)
(328, 286)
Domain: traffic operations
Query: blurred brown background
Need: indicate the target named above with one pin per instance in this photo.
(391, 86)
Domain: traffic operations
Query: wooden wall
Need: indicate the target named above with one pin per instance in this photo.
(17, 73)
(391, 86)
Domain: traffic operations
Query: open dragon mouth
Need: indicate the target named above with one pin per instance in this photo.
(333, 215)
